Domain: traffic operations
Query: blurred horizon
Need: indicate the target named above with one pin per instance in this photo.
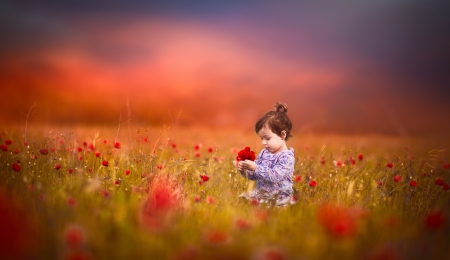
(348, 68)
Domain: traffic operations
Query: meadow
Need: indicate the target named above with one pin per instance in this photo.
(136, 192)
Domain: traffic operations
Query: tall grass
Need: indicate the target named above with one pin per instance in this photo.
(347, 215)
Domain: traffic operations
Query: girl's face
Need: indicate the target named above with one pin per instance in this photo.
(271, 141)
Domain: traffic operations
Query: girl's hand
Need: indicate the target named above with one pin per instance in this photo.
(247, 165)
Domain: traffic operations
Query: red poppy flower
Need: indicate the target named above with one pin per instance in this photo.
(413, 183)
(197, 198)
(312, 183)
(16, 167)
(446, 187)
(43, 151)
(174, 145)
(338, 222)
(217, 237)
(322, 161)
(380, 183)
(70, 171)
(246, 154)
(204, 177)
(197, 147)
(117, 182)
(74, 236)
(160, 166)
(360, 157)
(434, 220)
(80, 149)
(25, 143)
(389, 165)
(243, 224)
(117, 145)
(439, 182)
(98, 154)
(127, 172)
(105, 163)
(398, 178)
(210, 200)
(4, 147)
(16, 151)
(57, 166)
(106, 194)
(297, 178)
(210, 150)
(197, 154)
(8, 142)
(71, 202)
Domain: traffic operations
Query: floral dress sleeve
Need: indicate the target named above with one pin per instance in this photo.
(281, 169)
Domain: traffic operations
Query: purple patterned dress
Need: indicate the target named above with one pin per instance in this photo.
(273, 176)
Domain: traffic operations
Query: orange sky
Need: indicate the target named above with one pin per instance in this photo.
(219, 71)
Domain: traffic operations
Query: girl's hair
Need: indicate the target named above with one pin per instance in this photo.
(277, 120)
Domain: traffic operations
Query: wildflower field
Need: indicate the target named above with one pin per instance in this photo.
(172, 193)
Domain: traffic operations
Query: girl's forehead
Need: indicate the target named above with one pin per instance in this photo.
(265, 131)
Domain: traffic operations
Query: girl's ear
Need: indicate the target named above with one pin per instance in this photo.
(283, 134)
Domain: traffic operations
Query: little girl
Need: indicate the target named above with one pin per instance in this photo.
(273, 168)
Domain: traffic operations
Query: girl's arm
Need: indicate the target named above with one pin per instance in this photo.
(283, 167)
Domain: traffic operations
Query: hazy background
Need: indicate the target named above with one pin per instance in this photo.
(349, 67)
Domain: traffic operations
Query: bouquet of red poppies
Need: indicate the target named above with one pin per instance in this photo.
(246, 154)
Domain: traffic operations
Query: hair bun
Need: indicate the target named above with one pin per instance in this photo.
(281, 107)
